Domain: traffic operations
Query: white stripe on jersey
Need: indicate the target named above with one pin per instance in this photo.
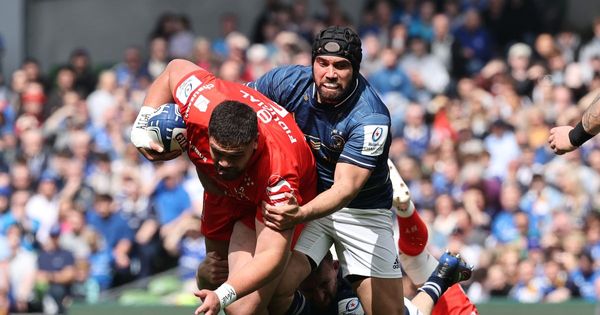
(354, 160)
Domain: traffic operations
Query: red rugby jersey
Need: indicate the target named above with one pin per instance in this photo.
(283, 160)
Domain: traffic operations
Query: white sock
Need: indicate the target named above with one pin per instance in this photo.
(408, 212)
(418, 268)
(401, 193)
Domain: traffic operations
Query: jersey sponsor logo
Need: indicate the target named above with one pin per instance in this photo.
(186, 88)
(206, 87)
(350, 306)
(275, 113)
(197, 151)
(374, 139)
(264, 116)
(276, 189)
(180, 138)
(201, 103)
(396, 264)
(377, 133)
(337, 140)
(279, 110)
(240, 192)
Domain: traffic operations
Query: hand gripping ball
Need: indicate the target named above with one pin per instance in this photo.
(167, 128)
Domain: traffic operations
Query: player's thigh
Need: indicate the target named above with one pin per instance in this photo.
(364, 243)
(316, 239)
(380, 296)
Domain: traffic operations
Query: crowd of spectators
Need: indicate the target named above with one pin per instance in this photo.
(472, 98)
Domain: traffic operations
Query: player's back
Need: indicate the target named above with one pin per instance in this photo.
(281, 146)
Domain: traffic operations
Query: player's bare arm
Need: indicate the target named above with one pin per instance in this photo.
(591, 117)
(270, 258)
(348, 180)
(565, 139)
(160, 92)
(212, 272)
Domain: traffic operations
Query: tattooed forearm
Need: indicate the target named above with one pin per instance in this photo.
(591, 117)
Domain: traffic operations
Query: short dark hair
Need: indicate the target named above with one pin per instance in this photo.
(102, 197)
(233, 124)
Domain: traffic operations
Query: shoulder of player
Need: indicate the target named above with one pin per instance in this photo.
(291, 73)
(296, 70)
(369, 108)
(200, 74)
(368, 102)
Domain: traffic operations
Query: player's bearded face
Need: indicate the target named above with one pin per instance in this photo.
(230, 163)
(333, 76)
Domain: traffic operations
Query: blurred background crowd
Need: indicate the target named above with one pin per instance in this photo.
(473, 88)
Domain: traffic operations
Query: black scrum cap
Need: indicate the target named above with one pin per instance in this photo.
(339, 41)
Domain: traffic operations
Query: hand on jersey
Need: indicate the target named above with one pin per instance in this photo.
(285, 216)
(210, 303)
(559, 140)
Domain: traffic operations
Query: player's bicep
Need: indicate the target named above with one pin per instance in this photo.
(184, 78)
(270, 240)
(178, 69)
(351, 176)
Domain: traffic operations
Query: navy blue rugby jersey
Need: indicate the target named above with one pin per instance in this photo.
(356, 131)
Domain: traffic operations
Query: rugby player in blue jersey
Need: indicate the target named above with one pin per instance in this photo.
(348, 129)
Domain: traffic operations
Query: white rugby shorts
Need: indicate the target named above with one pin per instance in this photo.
(363, 240)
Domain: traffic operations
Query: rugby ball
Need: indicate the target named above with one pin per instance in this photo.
(167, 128)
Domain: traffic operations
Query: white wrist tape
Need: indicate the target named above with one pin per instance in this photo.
(139, 136)
(226, 295)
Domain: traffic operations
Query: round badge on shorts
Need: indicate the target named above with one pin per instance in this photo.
(350, 306)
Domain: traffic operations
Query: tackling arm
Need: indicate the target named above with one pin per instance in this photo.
(591, 117)
(348, 180)
(564, 139)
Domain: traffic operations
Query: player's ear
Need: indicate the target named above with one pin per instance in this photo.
(336, 265)
(256, 142)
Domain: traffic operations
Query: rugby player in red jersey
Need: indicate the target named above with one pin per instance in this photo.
(247, 149)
